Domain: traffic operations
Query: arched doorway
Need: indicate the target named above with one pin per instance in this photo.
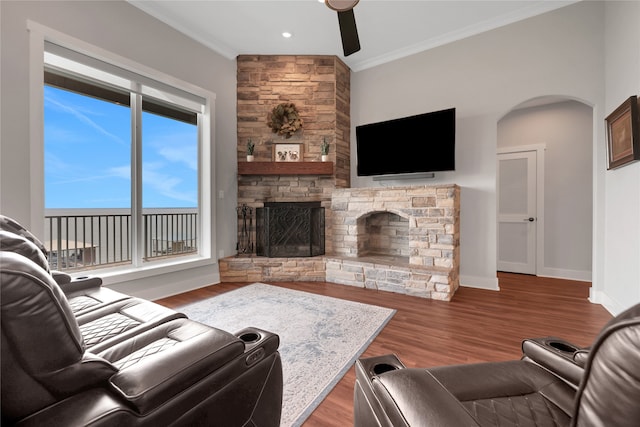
(559, 131)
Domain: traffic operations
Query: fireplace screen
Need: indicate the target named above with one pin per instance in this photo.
(290, 229)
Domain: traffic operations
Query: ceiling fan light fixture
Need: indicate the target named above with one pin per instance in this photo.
(341, 5)
(347, 24)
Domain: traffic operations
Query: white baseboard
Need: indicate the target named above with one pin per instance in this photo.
(613, 307)
(169, 284)
(561, 273)
(490, 283)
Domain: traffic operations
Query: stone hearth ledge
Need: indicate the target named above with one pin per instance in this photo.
(263, 269)
(426, 282)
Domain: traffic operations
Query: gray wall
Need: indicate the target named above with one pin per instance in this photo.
(566, 129)
(484, 77)
(617, 192)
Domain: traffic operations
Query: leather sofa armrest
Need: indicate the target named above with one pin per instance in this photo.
(82, 283)
(412, 396)
(89, 371)
(169, 359)
(557, 356)
(93, 407)
(581, 356)
(61, 278)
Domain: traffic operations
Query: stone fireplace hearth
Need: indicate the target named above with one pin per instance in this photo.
(398, 239)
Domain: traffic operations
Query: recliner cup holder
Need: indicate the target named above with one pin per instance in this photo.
(381, 368)
(250, 337)
(371, 367)
(562, 346)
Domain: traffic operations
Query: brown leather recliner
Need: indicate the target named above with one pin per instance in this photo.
(174, 372)
(554, 384)
(105, 317)
(84, 293)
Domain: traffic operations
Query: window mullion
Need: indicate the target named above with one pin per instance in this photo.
(137, 226)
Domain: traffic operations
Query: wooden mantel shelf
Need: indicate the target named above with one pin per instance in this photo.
(285, 168)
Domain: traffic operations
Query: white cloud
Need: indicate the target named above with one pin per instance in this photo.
(160, 182)
(166, 184)
(54, 164)
(80, 115)
(187, 155)
(120, 172)
(69, 173)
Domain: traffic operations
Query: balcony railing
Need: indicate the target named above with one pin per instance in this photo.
(89, 238)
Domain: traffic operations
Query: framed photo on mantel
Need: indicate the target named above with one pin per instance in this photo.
(623, 134)
(288, 152)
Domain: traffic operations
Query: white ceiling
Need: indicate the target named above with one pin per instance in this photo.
(388, 29)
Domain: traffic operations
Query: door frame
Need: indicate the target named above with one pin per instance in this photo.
(539, 149)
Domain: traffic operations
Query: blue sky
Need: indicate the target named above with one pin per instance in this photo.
(88, 155)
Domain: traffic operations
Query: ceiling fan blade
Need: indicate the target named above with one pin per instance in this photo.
(348, 32)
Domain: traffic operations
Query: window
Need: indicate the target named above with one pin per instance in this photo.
(122, 165)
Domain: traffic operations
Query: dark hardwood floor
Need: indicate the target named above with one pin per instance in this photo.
(476, 326)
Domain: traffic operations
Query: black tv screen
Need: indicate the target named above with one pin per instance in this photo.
(421, 143)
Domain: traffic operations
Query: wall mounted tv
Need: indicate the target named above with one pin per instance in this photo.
(417, 144)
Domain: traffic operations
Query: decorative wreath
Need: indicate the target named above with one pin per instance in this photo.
(284, 120)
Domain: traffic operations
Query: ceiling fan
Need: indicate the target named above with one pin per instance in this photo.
(347, 22)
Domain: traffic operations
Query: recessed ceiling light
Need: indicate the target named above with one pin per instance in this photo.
(286, 34)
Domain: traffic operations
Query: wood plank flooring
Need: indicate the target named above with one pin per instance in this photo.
(476, 326)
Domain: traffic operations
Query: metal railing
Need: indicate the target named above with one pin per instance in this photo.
(168, 234)
(89, 238)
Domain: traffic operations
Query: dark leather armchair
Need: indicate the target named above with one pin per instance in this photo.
(105, 317)
(84, 293)
(554, 384)
(163, 370)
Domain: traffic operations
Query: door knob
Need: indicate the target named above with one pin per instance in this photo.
(530, 219)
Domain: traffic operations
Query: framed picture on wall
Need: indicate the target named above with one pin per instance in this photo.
(623, 134)
(287, 152)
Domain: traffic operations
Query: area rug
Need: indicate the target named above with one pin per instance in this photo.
(320, 337)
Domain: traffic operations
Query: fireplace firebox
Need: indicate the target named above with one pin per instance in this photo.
(290, 229)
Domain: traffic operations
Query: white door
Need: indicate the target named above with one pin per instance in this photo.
(517, 212)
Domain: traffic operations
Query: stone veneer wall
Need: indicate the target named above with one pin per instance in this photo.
(385, 233)
(319, 86)
(432, 268)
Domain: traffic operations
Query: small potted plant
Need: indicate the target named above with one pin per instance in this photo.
(324, 149)
(250, 147)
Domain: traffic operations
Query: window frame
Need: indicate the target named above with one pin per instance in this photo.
(40, 34)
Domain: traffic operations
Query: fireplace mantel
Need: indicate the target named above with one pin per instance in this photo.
(285, 168)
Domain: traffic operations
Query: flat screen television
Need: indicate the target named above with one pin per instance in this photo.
(409, 145)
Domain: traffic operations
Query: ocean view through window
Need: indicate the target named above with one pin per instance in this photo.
(121, 173)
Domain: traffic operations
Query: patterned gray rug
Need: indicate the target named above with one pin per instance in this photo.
(320, 337)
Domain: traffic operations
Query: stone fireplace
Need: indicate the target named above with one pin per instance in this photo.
(402, 239)
(319, 86)
(399, 239)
